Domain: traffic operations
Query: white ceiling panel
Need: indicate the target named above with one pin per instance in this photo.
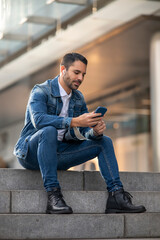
(75, 36)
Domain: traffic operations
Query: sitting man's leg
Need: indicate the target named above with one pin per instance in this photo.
(42, 154)
(72, 154)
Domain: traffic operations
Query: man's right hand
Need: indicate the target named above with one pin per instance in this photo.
(86, 120)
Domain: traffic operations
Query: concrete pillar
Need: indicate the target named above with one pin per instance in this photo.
(155, 99)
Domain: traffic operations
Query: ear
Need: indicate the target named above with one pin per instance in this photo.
(62, 69)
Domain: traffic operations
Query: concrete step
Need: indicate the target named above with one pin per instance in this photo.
(22, 179)
(79, 226)
(35, 201)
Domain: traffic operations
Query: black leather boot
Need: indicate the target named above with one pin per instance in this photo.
(56, 203)
(121, 202)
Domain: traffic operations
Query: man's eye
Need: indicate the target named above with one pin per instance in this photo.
(76, 72)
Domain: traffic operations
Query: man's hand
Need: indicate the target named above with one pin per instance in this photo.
(99, 128)
(86, 120)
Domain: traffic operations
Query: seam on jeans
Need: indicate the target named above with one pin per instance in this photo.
(111, 173)
(105, 157)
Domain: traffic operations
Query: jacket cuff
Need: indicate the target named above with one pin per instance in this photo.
(92, 136)
(66, 122)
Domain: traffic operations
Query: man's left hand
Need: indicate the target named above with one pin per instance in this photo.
(99, 128)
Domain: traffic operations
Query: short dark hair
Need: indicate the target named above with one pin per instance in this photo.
(70, 58)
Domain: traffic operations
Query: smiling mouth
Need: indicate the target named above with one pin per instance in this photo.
(76, 84)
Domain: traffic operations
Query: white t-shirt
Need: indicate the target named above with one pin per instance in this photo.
(64, 112)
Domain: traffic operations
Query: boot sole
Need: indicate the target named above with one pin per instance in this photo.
(59, 211)
(108, 211)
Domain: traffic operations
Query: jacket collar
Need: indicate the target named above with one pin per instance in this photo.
(54, 87)
(56, 92)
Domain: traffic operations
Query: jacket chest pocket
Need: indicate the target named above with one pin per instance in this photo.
(51, 106)
(51, 109)
(77, 110)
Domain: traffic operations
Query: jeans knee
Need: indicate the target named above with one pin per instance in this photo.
(49, 133)
(107, 140)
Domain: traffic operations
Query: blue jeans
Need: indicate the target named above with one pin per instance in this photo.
(49, 155)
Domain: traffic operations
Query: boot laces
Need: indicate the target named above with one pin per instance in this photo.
(57, 194)
(127, 196)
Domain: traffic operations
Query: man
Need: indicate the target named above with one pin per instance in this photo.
(59, 134)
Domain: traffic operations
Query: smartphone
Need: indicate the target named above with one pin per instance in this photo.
(101, 110)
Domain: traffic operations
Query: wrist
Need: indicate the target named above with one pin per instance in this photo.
(74, 122)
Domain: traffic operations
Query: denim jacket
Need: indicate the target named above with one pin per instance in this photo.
(43, 109)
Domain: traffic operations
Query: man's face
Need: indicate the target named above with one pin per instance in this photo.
(73, 77)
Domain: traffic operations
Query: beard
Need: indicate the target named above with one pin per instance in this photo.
(72, 84)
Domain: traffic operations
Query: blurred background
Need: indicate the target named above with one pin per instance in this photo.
(120, 39)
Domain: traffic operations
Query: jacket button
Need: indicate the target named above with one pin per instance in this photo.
(26, 140)
(59, 100)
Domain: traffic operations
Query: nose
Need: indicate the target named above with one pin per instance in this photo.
(80, 77)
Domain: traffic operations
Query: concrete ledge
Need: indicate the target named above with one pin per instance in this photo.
(137, 181)
(132, 181)
(5, 201)
(22, 179)
(81, 201)
(11, 179)
(45, 226)
(79, 226)
(142, 225)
